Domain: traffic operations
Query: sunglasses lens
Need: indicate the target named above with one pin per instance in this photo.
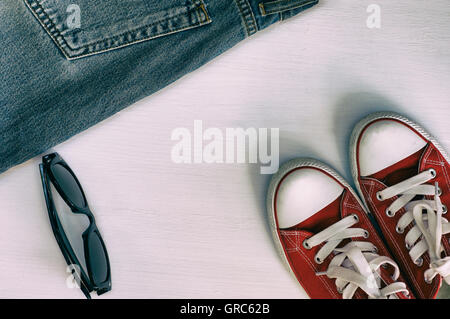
(97, 258)
(68, 185)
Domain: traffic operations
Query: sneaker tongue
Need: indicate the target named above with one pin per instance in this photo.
(401, 170)
(322, 219)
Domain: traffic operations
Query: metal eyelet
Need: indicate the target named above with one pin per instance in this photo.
(389, 213)
(439, 191)
(399, 230)
(306, 245)
(444, 209)
(318, 260)
(433, 172)
(427, 281)
(379, 197)
(366, 234)
(408, 246)
(419, 262)
(355, 217)
(340, 291)
(375, 250)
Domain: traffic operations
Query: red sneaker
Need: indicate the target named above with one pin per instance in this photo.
(403, 175)
(325, 236)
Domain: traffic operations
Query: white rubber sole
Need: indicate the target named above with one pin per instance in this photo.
(379, 116)
(270, 199)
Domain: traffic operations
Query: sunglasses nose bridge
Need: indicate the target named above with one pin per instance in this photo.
(86, 212)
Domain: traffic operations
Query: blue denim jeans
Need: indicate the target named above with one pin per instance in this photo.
(65, 65)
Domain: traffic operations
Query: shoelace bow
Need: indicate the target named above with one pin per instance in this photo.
(357, 264)
(425, 216)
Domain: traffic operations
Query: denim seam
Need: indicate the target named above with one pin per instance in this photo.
(247, 16)
(49, 25)
(265, 12)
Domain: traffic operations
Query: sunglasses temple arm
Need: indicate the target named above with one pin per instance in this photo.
(45, 186)
(41, 170)
(85, 291)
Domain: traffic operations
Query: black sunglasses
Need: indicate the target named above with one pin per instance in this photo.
(92, 269)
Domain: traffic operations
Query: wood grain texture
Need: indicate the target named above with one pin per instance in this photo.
(200, 231)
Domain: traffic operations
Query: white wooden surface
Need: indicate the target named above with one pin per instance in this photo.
(200, 231)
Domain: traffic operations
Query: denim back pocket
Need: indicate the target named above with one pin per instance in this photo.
(85, 27)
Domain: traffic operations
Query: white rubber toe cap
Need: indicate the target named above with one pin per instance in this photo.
(302, 193)
(384, 143)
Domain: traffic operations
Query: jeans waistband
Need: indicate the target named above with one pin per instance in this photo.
(259, 14)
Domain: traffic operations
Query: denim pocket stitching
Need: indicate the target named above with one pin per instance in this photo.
(279, 8)
(248, 17)
(47, 22)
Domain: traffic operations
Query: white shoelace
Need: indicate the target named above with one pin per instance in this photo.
(425, 216)
(357, 264)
